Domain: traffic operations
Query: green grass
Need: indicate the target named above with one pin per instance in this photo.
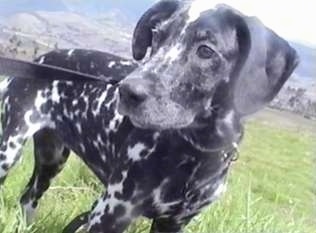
(271, 190)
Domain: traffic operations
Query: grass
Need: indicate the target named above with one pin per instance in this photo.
(271, 190)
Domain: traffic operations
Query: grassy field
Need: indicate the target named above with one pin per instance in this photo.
(271, 190)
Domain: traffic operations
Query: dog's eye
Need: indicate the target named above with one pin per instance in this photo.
(205, 52)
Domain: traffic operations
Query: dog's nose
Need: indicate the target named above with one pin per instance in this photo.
(132, 94)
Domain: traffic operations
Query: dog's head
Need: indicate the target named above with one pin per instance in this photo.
(199, 60)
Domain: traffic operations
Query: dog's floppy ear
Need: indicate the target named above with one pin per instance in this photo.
(269, 63)
(142, 37)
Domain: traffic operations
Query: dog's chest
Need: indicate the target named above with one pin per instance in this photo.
(174, 180)
(202, 187)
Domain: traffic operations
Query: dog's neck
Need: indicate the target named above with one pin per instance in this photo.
(220, 131)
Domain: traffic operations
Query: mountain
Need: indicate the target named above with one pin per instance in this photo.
(305, 74)
(307, 66)
(48, 29)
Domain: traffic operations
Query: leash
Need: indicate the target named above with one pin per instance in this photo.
(30, 70)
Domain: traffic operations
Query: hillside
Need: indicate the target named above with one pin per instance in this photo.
(61, 29)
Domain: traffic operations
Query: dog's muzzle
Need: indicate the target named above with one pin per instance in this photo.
(131, 95)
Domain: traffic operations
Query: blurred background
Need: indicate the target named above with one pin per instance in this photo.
(29, 28)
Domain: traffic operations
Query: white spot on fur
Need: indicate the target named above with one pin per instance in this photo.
(11, 154)
(118, 187)
(70, 52)
(126, 63)
(220, 190)
(115, 97)
(174, 52)
(75, 102)
(156, 136)
(98, 211)
(69, 83)
(42, 60)
(116, 121)
(95, 144)
(229, 119)
(55, 92)
(59, 118)
(101, 100)
(4, 86)
(135, 151)
(99, 138)
(39, 100)
(32, 127)
(111, 64)
(78, 127)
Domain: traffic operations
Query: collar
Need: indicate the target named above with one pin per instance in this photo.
(230, 152)
(233, 154)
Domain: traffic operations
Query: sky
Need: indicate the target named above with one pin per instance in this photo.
(292, 19)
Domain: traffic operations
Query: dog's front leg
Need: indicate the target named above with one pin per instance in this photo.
(168, 225)
(112, 213)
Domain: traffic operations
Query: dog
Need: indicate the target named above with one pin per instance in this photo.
(50, 152)
(162, 139)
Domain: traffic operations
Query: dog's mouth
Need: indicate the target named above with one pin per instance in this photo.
(158, 125)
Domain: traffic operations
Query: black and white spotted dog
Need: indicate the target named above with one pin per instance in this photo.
(162, 140)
